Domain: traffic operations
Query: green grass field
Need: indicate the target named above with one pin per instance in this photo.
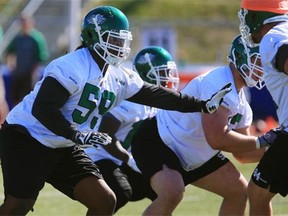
(196, 202)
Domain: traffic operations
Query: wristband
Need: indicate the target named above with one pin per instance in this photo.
(258, 145)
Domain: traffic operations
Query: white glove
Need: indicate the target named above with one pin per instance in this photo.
(91, 139)
(132, 163)
(215, 101)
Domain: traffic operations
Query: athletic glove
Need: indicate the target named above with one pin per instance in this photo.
(132, 163)
(268, 138)
(211, 105)
(91, 139)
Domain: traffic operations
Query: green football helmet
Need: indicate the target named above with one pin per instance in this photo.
(105, 30)
(252, 22)
(245, 60)
(155, 65)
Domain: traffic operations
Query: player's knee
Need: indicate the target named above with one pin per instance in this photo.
(16, 207)
(238, 192)
(107, 205)
(254, 192)
(111, 200)
(173, 194)
(242, 194)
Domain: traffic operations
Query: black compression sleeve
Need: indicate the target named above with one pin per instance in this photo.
(163, 98)
(281, 57)
(50, 98)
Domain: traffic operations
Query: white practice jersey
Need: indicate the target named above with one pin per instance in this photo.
(91, 95)
(130, 115)
(183, 133)
(276, 81)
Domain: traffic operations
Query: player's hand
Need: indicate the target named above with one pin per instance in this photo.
(91, 139)
(268, 138)
(211, 105)
(132, 163)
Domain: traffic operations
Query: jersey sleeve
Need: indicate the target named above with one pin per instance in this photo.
(269, 46)
(134, 82)
(246, 121)
(204, 89)
(63, 73)
(125, 111)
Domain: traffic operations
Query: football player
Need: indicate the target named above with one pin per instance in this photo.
(175, 149)
(264, 23)
(43, 137)
(154, 64)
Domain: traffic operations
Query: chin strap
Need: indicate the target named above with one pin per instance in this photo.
(103, 70)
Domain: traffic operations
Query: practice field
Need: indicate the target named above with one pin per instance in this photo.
(196, 202)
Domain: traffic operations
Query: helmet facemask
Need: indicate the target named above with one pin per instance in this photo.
(248, 62)
(113, 47)
(165, 75)
(244, 29)
(253, 73)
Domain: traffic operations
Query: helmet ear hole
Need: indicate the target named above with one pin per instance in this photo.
(89, 34)
(238, 56)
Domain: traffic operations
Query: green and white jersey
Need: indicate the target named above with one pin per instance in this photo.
(130, 115)
(91, 95)
(276, 81)
(183, 133)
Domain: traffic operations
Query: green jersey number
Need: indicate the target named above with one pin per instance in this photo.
(236, 118)
(87, 100)
(127, 142)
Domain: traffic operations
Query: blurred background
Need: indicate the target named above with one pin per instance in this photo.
(193, 31)
(197, 33)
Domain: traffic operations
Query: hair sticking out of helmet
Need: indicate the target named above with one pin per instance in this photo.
(247, 61)
(274, 6)
(155, 65)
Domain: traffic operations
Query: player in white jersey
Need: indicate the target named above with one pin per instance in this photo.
(264, 23)
(176, 149)
(155, 65)
(43, 136)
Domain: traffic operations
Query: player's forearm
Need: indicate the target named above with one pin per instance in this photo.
(249, 157)
(46, 108)
(163, 98)
(231, 141)
(110, 124)
(117, 151)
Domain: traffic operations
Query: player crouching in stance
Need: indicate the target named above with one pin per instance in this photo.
(175, 149)
(155, 65)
